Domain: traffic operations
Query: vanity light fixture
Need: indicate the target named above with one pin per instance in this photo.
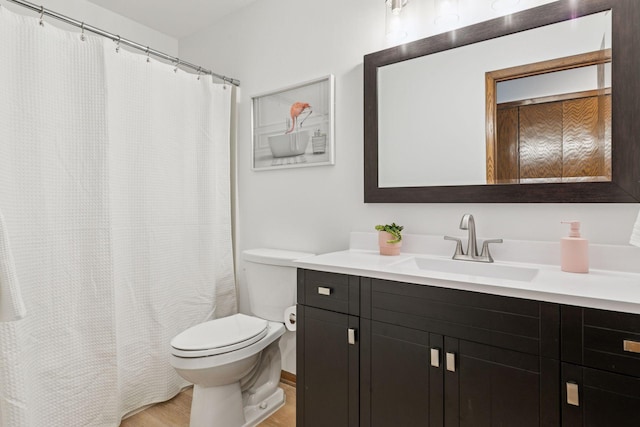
(635, 234)
(446, 12)
(396, 5)
(395, 21)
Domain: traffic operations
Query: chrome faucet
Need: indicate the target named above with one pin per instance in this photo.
(468, 223)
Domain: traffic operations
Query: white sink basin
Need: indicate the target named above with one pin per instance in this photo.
(468, 268)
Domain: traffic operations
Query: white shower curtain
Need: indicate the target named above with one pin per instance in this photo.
(114, 185)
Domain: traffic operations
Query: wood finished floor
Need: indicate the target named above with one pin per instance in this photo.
(175, 412)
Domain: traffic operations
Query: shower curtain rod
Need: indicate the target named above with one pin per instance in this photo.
(116, 38)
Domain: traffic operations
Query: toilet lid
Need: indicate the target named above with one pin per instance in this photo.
(219, 335)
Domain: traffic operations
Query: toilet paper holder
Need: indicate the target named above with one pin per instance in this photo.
(289, 318)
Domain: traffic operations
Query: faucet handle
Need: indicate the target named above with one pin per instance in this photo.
(458, 245)
(485, 248)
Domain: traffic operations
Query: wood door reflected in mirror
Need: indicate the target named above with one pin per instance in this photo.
(537, 133)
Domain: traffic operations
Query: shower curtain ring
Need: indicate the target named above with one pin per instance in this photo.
(175, 70)
(118, 45)
(199, 72)
(42, 16)
(82, 37)
(148, 59)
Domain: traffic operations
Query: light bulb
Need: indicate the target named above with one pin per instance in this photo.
(396, 5)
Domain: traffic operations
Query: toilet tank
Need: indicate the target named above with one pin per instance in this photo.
(271, 281)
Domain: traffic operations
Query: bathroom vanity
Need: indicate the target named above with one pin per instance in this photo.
(383, 343)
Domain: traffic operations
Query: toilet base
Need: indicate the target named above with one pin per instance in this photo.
(224, 405)
(255, 414)
(244, 403)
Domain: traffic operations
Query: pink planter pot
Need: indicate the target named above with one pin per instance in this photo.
(388, 248)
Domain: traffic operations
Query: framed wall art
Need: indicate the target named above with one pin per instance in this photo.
(293, 127)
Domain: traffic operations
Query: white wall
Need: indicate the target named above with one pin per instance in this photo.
(99, 17)
(276, 43)
(573, 80)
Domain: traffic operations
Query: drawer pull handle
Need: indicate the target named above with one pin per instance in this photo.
(451, 362)
(435, 357)
(631, 346)
(573, 397)
(324, 291)
(351, 334)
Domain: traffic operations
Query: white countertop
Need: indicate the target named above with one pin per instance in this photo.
(600, 288)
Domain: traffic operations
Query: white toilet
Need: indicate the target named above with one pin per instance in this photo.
(234, 362)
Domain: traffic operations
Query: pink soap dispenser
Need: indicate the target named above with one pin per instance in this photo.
(574, 250)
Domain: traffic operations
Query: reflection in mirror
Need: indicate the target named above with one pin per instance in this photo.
(550, 122)
(441, 108)
(432, 110)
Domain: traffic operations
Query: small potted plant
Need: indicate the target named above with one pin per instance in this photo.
(389, 238)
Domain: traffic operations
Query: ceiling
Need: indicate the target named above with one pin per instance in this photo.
(174, 18)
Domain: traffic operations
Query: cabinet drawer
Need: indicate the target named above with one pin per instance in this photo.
(516, 324)
(329, 291)
(601, 339)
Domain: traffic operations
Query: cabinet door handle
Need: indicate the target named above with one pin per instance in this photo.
(435, 357)
(631, 346)
(324, 291)
(351, 336)
(451, 362)
(573, 397)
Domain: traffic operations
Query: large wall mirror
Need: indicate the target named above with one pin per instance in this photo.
(540, 106)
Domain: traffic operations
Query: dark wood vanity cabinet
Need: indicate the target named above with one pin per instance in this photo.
(423, 379)
(428, 356)
(327, 350)
(441, 357)
(601, 368)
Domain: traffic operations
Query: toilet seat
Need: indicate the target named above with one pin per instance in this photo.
(274, 331)
(219, 336)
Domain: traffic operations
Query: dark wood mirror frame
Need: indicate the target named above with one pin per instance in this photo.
(625, 184)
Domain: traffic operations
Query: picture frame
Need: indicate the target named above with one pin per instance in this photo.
(293, 127)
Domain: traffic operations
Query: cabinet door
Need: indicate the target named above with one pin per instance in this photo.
(491, 386)
(327, 368)
(397, 373)
(597, 398)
